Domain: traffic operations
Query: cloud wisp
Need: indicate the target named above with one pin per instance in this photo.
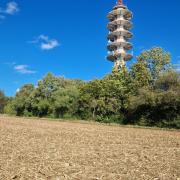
(11, 9)
(23, 69)
(45, 43)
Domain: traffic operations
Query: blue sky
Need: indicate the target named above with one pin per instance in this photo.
(69, 37)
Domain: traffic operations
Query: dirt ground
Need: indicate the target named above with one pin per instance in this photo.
(40, 149)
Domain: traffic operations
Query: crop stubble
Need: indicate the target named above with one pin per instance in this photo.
(34, 149)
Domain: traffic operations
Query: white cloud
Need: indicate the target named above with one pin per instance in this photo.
(12, 8)
(17, 90)
(43, 37)
(49, 45)
(45, 43)
(23, 69)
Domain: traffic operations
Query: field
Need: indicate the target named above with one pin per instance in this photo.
(41, 149)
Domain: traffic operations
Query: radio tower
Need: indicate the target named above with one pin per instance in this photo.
(119, 35)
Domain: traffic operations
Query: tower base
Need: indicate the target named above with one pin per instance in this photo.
(119, 64)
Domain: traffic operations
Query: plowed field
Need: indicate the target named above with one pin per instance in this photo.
(41, 149)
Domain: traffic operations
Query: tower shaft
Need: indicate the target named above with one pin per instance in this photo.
(119, 35)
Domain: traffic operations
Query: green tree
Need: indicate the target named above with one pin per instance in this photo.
(9, 108)
(140, 75)
(48, 85)
(169, 80)
(65, 101)
(89, 94)
(20, 102)
(106, 99)
(146, 94)
(3, 101)
(156, 60)
(158, 106)
(54, 96)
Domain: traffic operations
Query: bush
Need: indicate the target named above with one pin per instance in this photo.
(174, 123)
(148, 94)
(3, 101)
(9, 109)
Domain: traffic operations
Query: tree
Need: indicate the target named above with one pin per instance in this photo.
(89, 94)
(118, 85)
(21, 101)
(140, 75)
(168, 80)
(158, 106)
(41, 99)
(106, 99)
(65, 101)
(9, 108)
(48, 85)
(146, 94)
(3, 101)
(156, 60)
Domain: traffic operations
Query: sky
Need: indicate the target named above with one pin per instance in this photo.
(68, 38)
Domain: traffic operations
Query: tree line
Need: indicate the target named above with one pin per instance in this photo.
(147, 94)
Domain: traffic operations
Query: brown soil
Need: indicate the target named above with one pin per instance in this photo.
(34, 149)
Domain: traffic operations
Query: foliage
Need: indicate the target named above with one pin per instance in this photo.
(141, 76)
(156, 60)
(3, 101)
(158, 106)
(53, 97)
(106, 98)
(21, 100)
(168, 80)
(65, 101)
(147, 94)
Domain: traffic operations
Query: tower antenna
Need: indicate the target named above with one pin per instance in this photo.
(119, 2)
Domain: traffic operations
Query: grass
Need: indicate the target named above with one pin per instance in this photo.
(90, 122)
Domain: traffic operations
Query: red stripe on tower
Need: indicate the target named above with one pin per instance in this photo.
(119, 2)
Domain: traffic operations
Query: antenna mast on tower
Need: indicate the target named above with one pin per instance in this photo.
(119, 2)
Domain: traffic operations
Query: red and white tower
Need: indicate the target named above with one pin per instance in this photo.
(119, 35)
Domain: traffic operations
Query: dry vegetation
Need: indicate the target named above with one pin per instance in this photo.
(34, 149)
